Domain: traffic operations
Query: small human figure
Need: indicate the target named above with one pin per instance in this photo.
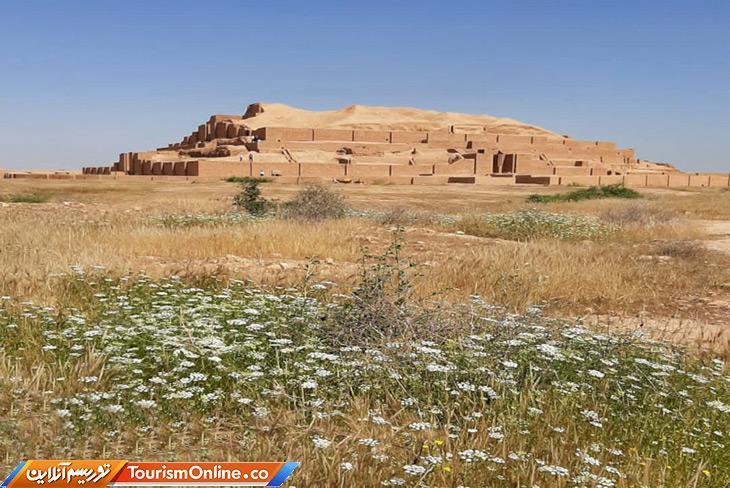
(240, 158)
(262, 174)
(250, 157)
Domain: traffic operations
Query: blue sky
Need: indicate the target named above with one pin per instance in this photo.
(82, 81)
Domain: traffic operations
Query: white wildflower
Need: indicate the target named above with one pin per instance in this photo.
(321, 442)
(717, 404)
(554, 470)
(146, 404)
(596, 373)
(414, 469)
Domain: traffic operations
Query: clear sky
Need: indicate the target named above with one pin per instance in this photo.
(82, 81)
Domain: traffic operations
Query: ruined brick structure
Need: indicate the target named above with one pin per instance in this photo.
(342, 148)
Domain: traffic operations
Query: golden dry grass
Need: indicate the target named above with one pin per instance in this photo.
(287, 434)
(569, 275)
(112, 224)
(126, 242)
(215, 195)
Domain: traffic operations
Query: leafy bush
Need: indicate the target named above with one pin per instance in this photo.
(592, 193)
(250, 198)
(313, 203)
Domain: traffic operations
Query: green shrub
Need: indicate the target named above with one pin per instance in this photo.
(313, 203)
(378, 308)
(246, 179)
(592, 193)
(250, 198)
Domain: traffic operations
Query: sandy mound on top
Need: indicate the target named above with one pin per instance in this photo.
(382, 118)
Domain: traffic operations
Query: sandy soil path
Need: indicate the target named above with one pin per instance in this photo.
(719, 233)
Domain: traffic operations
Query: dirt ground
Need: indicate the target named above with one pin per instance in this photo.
(718, 232)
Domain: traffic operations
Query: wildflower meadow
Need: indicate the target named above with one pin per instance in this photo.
(479, 396)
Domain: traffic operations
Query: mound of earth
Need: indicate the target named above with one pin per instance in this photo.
(382, 118)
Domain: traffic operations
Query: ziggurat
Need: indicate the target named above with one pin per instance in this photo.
(375, 145)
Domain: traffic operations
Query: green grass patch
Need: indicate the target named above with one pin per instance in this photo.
(247, 179)
(24, 198)
(530, 224)
(592, 193)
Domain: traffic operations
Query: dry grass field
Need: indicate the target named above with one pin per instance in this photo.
(658, 266)
(657, 263)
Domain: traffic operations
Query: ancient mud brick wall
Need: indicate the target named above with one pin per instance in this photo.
(371, 136)
(678, 181)
(137, 166)
(280, 134)
(657, 181)
(699, 180)
(635, 181)
(322, 169)
(442, 137)
(411, 170)
(458, 168)
(179, 168)
(571, 171)
(380, 170)
(508, 139)
(274, 169)
(720, 180)
(217, 169)
(503, 180)
(332, 135)
(408, 137)
(611, 180)
(578, 180)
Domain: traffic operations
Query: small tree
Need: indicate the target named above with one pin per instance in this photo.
(250, 198)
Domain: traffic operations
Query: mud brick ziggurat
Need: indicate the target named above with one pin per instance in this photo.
(377, 145)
